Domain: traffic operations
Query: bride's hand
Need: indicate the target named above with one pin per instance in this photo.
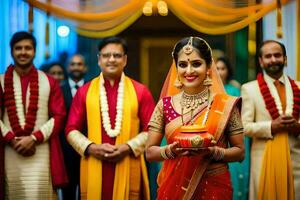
(206, 151)
(201, 151)
(175, 149)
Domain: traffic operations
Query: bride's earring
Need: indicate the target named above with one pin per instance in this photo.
(178, 84)
(207, 81)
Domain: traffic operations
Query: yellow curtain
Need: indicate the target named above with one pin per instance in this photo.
(101, 19)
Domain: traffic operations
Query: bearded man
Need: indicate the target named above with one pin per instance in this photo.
(76, 70)
(270, 114)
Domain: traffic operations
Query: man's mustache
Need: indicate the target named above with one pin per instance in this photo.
(280, 64)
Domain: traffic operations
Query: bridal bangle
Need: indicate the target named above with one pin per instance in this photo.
(166, 153)
(218, 154)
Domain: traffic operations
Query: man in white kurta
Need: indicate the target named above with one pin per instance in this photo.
(33, 115)
(268, 114)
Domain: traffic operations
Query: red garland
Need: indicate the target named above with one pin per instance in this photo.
(270, 102)
(10, 103)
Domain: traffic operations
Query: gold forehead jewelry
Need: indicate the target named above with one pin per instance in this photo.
(188, 48)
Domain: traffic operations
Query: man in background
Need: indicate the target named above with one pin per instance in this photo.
(76, 70)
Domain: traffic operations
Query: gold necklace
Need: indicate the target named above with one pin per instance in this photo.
(192, 102)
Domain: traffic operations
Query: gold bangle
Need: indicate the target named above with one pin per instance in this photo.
(163, 153)
(218, 154)
(169, 153)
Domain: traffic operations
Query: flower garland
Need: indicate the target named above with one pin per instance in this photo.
(269, 99)
(13, 102)
(104, 108)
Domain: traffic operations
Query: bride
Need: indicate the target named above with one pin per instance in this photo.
(202, 125)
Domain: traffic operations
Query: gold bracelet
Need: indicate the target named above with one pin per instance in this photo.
(169, 152)
(218, 154)
(163, 153)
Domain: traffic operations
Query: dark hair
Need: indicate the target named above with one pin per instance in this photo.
(47, 66)
(199, 44)
(22, 35)
(113, 40)
(271, 41)
(228, 66)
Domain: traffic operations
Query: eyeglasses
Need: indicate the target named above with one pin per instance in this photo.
(108, 55)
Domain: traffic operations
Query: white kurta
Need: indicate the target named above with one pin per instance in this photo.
(30, 177)
(257, 125)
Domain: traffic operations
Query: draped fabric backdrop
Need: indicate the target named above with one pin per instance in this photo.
(110, 17)
(105, 18)
(289, 38)
(14, 17)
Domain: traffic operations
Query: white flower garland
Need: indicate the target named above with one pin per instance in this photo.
(18, 98)
(104, 108)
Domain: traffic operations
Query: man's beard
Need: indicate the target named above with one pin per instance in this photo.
(76, 75)
(274, 69)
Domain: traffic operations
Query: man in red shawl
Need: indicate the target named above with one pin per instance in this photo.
(116, 111)
(33, 115)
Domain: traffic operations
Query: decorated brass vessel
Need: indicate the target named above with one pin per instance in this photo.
(194, 136)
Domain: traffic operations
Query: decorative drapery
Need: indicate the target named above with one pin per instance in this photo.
(105, 18)
(94, 18)
(97, 19)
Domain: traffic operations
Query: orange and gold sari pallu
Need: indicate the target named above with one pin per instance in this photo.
(180, 177)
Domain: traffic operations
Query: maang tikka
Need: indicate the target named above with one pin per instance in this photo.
(188, 48)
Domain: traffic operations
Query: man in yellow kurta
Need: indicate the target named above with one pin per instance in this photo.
(116, 111)
(270, 114)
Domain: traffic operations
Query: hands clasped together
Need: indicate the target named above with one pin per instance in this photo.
(108, 152)
(285, 123)
(24, 145)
